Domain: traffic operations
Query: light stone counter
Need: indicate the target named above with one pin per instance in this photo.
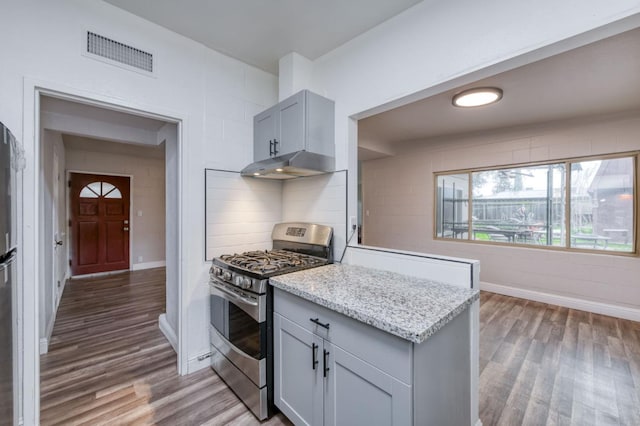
(408, 307)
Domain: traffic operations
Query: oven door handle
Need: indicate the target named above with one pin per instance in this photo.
(252, 307)
(227, 294)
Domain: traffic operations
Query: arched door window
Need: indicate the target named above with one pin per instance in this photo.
(100, 189)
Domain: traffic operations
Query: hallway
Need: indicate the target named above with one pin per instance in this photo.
(109, 363)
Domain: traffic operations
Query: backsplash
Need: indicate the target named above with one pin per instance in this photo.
(319, 199)
(240, 212)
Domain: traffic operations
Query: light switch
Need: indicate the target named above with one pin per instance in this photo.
(139, 213)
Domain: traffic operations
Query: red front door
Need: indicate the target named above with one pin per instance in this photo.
(99, 223)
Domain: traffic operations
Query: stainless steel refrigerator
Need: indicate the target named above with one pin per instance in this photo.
(8, 292)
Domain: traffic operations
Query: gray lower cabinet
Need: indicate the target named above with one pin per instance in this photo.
(359, 394)
(298, 383)
(318, 382)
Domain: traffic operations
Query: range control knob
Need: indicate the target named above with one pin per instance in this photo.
(246, 283)
(242, 282)
(226, 275)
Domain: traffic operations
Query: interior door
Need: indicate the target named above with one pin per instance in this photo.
(99, 223)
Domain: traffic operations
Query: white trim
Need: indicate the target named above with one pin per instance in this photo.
(168, 331)
(30, 268)
(183, 300)
(602, 308)
(28, 399)
(195, 364)
(149, 265)
(44, 341)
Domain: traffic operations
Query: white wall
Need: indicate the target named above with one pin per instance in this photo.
(399, 194)
(147, 232)
(48, 289)
(168, 135)
(436, 46)
(214, 95)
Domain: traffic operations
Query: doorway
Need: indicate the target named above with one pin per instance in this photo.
(99, 222)
(168, 139)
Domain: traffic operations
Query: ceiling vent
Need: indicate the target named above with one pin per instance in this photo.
(118, 52)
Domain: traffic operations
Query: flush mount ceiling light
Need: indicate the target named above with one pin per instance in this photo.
(477, 97)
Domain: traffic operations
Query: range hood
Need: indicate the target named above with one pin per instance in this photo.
(290, 166)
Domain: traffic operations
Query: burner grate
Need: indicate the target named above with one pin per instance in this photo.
(268, 262)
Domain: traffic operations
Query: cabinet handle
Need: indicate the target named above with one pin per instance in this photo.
(271, 153)
(324, 362)
(317, 321)
(275, 147)
(314, 352)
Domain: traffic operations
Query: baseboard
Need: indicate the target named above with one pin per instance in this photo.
(196, 363)
(168, 331)
(44, 341)
(149, 265)
(566, 301)
(44, 345)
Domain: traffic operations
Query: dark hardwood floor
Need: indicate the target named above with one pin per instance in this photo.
(108, 363)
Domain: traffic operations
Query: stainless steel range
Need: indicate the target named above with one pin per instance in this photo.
(242, 308)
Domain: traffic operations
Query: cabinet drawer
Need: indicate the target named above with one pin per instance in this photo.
(389, 353)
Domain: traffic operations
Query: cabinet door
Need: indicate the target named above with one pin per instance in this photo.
(265, 129)
(357, 393)
(292, 124)
(298, 380)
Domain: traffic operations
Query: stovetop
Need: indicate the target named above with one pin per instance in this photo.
(251, 270)
(296, 246)
(265, 264)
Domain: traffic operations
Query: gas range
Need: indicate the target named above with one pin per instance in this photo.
(241, 308)
(251, 270)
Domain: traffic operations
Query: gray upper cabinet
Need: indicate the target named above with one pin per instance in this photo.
(265, 127)
(302, 122)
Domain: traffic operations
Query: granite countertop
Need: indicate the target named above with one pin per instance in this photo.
(408, 307)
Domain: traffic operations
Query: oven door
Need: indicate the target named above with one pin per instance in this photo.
(239, 329)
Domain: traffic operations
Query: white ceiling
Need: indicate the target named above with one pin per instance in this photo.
(94, 113)
(92, 128)
(260, 32)
(600, 78)
(83, 143)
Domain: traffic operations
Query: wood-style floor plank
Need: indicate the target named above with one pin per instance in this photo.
(108, 363)
(548, 365)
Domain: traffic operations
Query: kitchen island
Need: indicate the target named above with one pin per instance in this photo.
(355, 345)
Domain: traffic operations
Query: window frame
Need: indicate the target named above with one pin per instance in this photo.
(567, 162)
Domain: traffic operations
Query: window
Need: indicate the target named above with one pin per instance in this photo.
(583, 204)
(100, 189)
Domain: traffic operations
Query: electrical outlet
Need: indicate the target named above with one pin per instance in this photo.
(139, 259)
(353, 223)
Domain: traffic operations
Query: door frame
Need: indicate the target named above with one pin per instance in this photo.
(68, 215)
(29, 227)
